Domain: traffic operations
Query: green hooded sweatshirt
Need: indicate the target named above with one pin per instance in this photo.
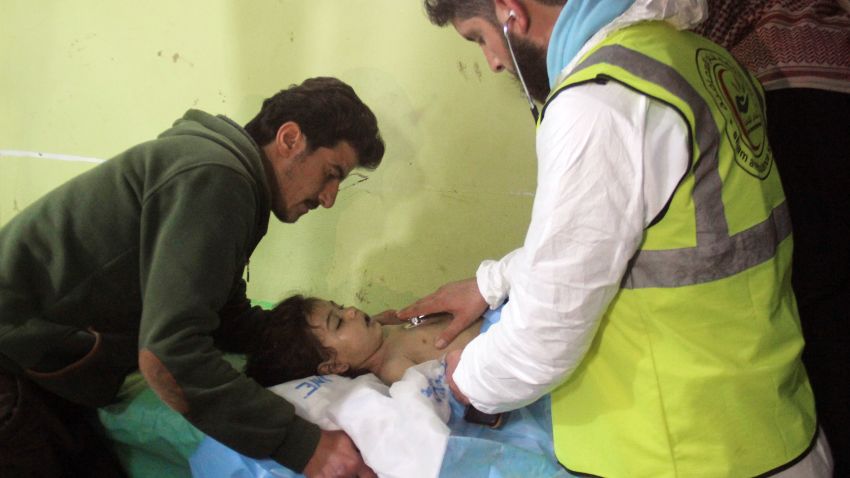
(138, 263)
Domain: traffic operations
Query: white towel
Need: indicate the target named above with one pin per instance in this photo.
(400, 430)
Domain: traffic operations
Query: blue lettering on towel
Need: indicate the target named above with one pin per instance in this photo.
(436, 388)
(313, 384)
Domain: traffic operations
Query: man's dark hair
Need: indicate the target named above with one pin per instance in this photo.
(287, 349)
(441, 12)
(327, 111)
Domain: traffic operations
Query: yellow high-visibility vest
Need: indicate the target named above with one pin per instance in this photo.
(695, 370)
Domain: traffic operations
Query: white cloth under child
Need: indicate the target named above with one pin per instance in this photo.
(400, 430)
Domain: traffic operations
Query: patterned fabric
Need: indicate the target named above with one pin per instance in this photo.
(786, 43)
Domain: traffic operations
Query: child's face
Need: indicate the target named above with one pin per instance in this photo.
(349, 331)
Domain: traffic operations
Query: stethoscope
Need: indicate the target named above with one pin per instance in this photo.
(534, 112)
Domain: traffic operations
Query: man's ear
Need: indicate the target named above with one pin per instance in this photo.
(329, 367)
(505, 9)
(290, 140)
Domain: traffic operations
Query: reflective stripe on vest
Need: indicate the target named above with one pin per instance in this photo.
(687, 266)
(695, 369)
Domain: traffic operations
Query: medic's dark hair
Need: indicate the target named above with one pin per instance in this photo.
(441, 12)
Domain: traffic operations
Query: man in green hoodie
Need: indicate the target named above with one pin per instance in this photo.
(137, 264)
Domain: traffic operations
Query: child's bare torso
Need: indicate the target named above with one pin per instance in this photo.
(411, 346)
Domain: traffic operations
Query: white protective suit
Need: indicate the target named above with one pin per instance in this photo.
(608, 161)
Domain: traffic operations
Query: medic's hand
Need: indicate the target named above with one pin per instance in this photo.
(336, 456)
(462, 299)
(452, 359)
(388, 317)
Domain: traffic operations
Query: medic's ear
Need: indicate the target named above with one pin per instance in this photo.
(329, 367)
(512, 14)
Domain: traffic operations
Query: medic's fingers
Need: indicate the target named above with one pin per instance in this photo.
(422, 306)
(452, 359)
(366, 472)
(387, 317)
(455, 327)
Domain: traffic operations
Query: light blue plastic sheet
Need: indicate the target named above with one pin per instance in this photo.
(521, 447)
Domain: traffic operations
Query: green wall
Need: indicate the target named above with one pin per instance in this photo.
(90, 78)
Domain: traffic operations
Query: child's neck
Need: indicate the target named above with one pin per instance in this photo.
(375, 361)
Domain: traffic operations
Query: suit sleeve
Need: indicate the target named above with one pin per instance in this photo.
(493, 279)
(602, 176)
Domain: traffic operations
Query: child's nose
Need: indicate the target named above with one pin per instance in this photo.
(350, 313)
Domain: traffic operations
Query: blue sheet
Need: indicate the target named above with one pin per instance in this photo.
(522, 447)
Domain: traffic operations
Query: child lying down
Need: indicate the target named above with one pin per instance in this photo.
(305, 336)
(308, 336)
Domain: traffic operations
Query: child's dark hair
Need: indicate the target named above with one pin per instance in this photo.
(287, 348)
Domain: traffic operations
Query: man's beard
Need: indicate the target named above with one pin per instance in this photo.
(532, 63)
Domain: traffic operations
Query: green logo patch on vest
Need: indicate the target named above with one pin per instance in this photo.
(737, 99)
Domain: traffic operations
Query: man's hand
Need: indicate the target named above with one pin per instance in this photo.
(461, 299)
(387, 317)
(337, 457)
(452, 359)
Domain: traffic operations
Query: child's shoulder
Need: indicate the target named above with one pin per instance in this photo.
(393, 368)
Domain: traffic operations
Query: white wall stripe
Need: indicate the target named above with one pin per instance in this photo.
(41, 155)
